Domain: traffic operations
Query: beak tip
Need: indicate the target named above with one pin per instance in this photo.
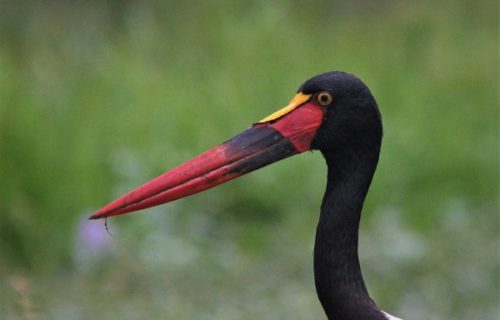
(95, 216)
(100, 214)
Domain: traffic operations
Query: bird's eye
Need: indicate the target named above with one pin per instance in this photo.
(324, 98)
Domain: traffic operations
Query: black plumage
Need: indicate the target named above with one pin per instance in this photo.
(349, 138)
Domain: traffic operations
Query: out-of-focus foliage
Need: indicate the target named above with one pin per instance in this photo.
(97, 97)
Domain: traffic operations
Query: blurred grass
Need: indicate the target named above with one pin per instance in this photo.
(97, 97)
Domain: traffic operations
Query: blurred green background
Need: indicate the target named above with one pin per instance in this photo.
(97, 97)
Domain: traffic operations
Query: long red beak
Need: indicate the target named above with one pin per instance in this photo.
(285, 133)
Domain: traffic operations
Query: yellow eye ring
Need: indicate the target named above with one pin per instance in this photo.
(324, 98)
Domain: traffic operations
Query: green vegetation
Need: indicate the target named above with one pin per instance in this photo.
(98, 97)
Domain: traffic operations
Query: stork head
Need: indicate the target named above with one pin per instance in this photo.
(329, 112)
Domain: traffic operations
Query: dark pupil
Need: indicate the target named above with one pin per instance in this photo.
(324, 98)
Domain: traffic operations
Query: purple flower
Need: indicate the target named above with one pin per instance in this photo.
(92, 242)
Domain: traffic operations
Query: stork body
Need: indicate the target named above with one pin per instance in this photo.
(333, 112)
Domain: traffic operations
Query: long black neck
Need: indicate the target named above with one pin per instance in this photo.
(338, 278)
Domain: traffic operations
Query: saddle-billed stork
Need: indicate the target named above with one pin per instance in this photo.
(333, 112)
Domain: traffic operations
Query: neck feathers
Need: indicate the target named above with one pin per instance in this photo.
(339, 282)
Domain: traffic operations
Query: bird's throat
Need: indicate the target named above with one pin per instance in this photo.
(338, 278)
